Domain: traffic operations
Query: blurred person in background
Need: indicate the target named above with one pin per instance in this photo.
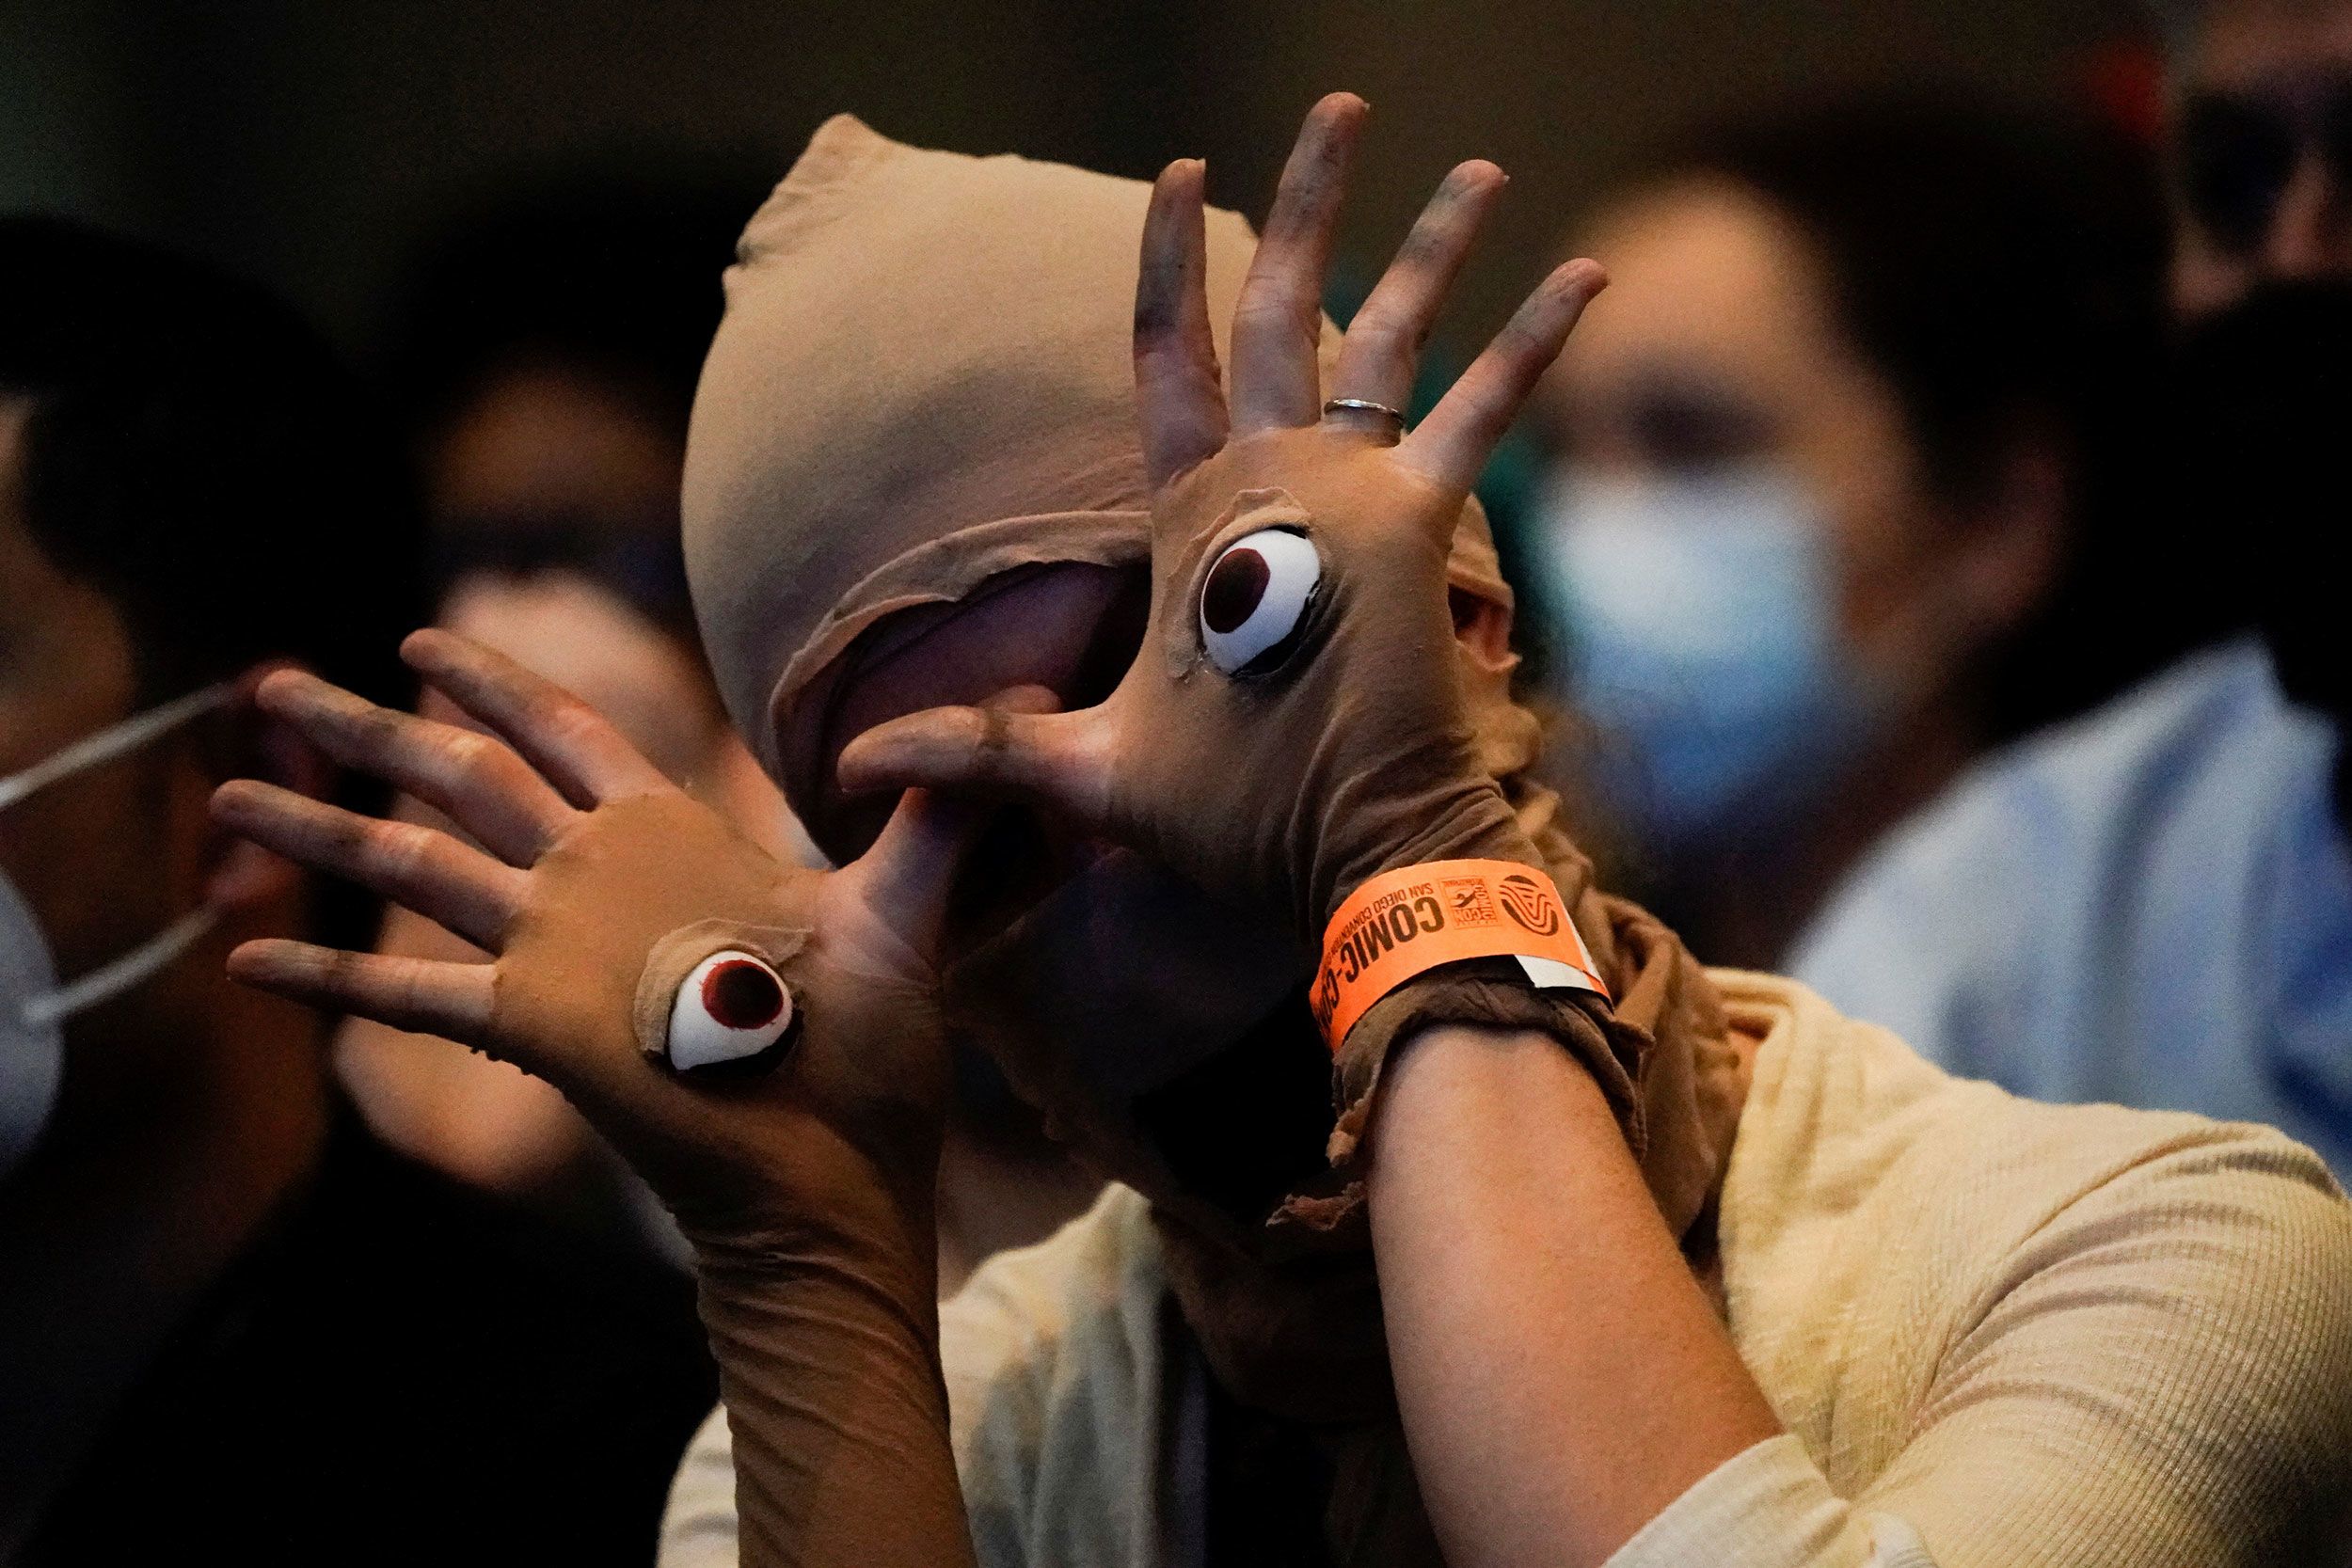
(2260, 110)
(233, 1328)
(2153, 905)
(545, 353)
(1837, 487)
(2176, 882)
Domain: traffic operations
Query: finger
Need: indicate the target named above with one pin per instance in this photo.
(909, 872)
(1052, 760)
(424, 995)
(1384, 341)
(1178, 394)
(1278, 319)
(478, 783)
(582, 755)
(452, 884)
(1452, 444)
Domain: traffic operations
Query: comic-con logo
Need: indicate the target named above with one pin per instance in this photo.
(1530, 903)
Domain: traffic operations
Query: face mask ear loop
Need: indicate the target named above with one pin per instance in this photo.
(119, 975)
(111, 742)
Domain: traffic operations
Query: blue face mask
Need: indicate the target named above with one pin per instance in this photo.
(1701, 645)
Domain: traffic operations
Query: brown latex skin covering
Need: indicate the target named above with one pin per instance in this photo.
(924, 384)
(806, 1193)
(1361, 753)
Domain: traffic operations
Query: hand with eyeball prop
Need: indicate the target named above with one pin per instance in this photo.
(760, 1041)
(1296, 721)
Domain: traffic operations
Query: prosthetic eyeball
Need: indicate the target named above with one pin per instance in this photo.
(732, 1010)
(1255, 599)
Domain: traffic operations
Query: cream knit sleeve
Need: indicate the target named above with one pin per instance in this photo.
(2158, 1375)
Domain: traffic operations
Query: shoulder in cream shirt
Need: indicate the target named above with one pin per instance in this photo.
(2000, 1334)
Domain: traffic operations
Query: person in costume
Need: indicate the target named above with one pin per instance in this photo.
(1595, 1256)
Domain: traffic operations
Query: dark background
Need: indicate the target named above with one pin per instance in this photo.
(314, 144)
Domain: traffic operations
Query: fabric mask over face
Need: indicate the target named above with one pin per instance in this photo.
(923, 382)
(32, 1005)
(1699, 612)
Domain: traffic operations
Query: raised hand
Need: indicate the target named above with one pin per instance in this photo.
(1295, 721)
(759, 1041)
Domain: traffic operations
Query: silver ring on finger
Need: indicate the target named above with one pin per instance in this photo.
(1365, 405)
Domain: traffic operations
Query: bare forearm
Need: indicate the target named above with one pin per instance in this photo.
(830, 1374)
(1562, 1376)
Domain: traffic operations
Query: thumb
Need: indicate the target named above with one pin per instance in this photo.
(1058, 762)
(906, 877)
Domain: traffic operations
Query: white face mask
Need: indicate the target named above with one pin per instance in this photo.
(34, 1005)
(1700, 612)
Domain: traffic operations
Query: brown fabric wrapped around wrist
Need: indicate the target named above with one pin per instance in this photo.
(1491, 994)
(1659, 1053)
(1294, 1333)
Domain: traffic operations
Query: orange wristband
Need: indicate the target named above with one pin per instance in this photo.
(1405, 923)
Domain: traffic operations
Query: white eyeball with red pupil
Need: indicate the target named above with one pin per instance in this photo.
(1255, 598)
(730, 1007)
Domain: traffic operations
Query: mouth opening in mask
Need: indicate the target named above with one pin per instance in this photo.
(1071, 627)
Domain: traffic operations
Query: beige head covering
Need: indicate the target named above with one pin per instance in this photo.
(923, 381)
